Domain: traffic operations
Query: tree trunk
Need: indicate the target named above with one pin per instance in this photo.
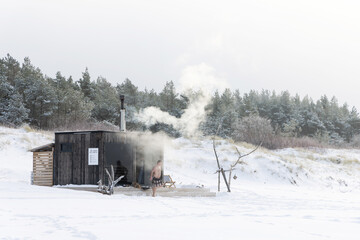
(230, 173)
(225, 180)
(218, 181)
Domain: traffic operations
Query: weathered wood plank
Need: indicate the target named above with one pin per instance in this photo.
(44, 160)
(43, 168)
(42, 153)
(36, 174)
(76, 160)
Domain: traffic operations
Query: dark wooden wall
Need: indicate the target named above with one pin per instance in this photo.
(72, 167)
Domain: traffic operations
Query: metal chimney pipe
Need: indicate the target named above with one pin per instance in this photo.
(122, 114)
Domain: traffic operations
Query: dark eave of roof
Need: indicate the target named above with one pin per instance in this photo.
(84, 132)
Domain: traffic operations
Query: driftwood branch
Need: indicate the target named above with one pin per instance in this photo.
(109, 189)
(241, 156)
(232, 166)
(220, 169)
(216, 156)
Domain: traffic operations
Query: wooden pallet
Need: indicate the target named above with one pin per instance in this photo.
(43, 168)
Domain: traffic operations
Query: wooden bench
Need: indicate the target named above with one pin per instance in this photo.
(168, 182)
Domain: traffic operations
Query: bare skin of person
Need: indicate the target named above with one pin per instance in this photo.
(155, 177)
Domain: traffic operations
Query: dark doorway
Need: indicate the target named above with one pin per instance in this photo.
(121, 157)
(140, 165)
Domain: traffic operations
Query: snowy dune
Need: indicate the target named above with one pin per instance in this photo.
(285, 194)
(313, 168)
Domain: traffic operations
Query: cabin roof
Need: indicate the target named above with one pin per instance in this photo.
(90, 131)
(47, 147)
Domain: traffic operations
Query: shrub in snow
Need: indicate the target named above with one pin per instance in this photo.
(254, 129)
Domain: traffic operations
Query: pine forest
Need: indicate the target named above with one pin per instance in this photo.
(277, 119)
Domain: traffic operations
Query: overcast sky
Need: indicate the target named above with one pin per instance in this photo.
(307, 47)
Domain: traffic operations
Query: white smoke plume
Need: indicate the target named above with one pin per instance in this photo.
(198, 83)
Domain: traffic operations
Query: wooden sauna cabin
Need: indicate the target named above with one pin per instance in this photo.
(81, 157)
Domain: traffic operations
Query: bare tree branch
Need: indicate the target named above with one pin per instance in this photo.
(221, 170)
(241, 156)
(217, 158)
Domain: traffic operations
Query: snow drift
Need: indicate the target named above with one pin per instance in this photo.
(289, 193)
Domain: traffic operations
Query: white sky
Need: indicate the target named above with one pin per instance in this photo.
(307, 47)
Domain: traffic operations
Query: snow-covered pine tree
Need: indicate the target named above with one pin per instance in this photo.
(87, 86)
(130, 91)
(71, 105)
(37, 94)
(12, 109)
(11, 68)
(106, 102)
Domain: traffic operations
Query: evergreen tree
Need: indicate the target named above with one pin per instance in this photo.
(153, 99)
(293, 128)
(238, 104)
(28, 96)
(311, 124)
(354, 124)
(130, 91)
(250, 103)
(264, 104)
(148, 98)
(107, 102)
(134, 100)
(213, 118)
(228, 113)
(71, 106)
(87, 86)
(37, 94)
(12, 109)
(75, 107)
(12, 68)
(168, 98)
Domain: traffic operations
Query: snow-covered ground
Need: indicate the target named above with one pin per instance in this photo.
(286, 194)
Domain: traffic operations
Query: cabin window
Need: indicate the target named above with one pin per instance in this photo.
(66, 147)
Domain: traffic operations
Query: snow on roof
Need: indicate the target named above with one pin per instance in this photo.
(47, 147)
